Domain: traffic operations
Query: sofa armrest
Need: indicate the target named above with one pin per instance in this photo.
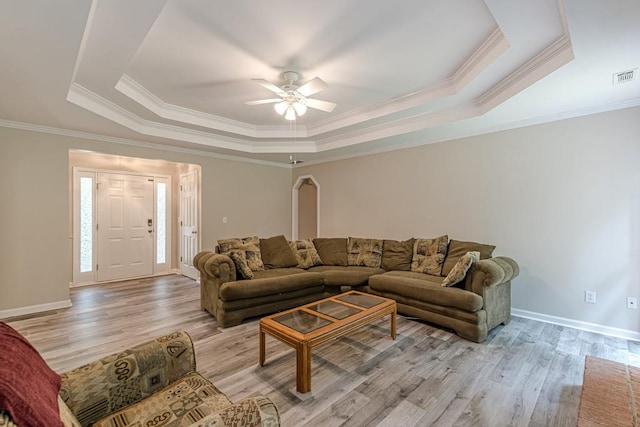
(490, 272)
(218, 268)
(100, 388)
(251, 412)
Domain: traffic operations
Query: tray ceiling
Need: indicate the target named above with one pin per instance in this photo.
(178, 72)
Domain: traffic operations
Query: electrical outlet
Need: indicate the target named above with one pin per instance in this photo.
(632, 302)
(224, 219)
(590, 297)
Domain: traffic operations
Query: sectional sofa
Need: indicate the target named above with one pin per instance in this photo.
(454, 284)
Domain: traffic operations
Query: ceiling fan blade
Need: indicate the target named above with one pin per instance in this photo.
(273, 88)
(320, 105)
(263, 101)
(314, 85)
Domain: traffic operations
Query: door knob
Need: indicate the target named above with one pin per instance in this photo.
(194, 232)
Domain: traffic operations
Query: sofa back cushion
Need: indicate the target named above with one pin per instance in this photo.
(397, 256)
(429, 254)
(276, 253)
(332, 251)
(364, 252)
(458, 248)
(306, 253)
(28, 387)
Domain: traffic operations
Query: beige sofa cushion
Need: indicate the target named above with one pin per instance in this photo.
(276, 253)
(251, 247)
(345, 276)
(426, 289)
(332, 251)
(429, 254)
(306, 253)
(458, 248)
(270, 282)
(364, 252)
(397, 255)
(459, 270)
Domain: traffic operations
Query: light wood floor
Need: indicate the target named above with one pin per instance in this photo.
(526, 374)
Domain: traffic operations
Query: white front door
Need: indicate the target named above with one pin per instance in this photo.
(188, 224)
(124, 226)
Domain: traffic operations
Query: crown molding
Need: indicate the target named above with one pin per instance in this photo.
(91, 101)
(479, 130)
(544, 63)
(486, 54)
(130, 142)
(138, 93)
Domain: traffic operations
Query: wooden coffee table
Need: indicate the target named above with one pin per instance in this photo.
(321, 321)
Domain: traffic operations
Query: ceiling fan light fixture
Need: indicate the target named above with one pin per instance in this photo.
(281, 107)
(300, 108)
(291, 113)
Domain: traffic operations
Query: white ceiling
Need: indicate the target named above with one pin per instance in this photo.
(177, 73)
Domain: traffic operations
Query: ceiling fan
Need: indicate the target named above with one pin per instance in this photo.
(294, 99)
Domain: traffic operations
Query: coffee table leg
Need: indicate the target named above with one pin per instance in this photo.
(262, 352)
(393, 324)
(303, 368)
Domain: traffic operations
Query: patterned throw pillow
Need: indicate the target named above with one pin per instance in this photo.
(364, 252)
(239, 258)
(459, 270)
(305, 253)
(428, 255)
(249, 245)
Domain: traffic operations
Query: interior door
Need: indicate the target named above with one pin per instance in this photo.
(124, 226)
(188, 224)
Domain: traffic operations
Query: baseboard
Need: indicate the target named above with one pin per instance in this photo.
(39, 308)
(577, 324)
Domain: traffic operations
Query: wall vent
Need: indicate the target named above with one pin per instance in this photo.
(625, 76)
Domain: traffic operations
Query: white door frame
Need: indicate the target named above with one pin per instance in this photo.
(294, 205)
(90, 277)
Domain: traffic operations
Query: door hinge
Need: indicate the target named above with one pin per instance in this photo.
(180, 223)
(181, 188)
(96, 267)
(96, 226)
(180, 259)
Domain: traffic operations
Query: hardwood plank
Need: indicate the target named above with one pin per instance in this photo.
(527, 373)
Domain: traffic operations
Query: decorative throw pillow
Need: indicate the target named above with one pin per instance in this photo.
(239, 258)
(428, 255)
(459, 270)
(276, 253)
(332, 251)
(457, 249)
(306, 253)
(251, 247)
(397, 256)
(28, 386)
(364, 252)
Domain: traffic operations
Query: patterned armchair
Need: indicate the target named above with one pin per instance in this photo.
(152, 384)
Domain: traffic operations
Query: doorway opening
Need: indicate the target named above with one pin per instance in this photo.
(305, 204)
(125, 215)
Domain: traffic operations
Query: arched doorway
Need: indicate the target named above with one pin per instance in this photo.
(305, 208)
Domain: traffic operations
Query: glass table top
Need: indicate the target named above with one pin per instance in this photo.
(305, 321)
(302, 321)
(334, 309)
(365, 301)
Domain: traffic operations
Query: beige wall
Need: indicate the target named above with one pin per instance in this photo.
(562, 199)
(36, 250)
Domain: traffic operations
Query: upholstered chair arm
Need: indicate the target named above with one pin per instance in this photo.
(251, 412)
(490, 272)
(100, 388)
(219, 268)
